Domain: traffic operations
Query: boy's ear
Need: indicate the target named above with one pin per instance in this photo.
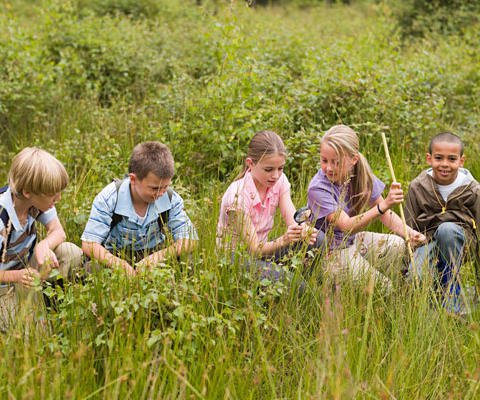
(429, 159)
(133, 177)
(26, 194)
(462, 161)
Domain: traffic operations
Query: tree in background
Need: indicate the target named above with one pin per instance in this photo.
(420, 17)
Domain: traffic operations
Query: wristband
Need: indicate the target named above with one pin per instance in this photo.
(380, 210)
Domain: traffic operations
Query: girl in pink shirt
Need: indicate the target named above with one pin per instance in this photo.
(251, 201)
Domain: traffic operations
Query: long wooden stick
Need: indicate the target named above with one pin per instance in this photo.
(400, 206)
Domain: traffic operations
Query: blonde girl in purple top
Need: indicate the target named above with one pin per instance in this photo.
(345, 196)
(251, 201)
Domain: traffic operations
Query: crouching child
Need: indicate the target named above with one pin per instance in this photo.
(444, 203)
(138, 222)
(35, 182)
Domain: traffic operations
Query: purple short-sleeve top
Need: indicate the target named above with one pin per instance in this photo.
(326, 197)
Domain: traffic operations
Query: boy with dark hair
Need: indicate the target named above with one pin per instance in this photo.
(131, 220)
(444, 203)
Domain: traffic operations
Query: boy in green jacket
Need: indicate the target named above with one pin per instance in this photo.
(443, 202)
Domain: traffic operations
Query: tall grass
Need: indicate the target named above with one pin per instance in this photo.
(88, 82)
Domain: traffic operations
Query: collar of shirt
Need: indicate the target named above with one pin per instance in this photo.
(7, 203)
(252, 192)
(125, 205)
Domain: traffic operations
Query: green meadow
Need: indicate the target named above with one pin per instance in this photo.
(88, 79)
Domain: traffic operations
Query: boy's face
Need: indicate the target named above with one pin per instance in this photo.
(43, 202)
(149, 188)
(445, 161)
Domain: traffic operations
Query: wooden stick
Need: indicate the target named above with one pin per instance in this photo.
(400, 206)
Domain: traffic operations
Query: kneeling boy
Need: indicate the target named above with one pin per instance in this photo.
(131, 221)
(36, 179)
(444, 203)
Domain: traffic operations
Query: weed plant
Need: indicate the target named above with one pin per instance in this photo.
(87, 80)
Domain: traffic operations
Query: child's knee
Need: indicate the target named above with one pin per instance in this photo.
(69, 257)
(447, 231)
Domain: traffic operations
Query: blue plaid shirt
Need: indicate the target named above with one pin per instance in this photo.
(133, 231)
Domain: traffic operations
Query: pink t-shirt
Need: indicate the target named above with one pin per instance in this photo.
(242, 195)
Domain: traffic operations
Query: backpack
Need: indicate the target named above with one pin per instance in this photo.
(6, 219)
(116, 218)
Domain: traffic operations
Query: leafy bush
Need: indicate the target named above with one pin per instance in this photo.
(88, 84)
(421, 17)
(131, 8)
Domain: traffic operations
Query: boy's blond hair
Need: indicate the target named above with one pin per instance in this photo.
(154, 157)
(36, 171)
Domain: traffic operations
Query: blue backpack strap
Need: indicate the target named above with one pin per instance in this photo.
(116, 218)
(5, 219)
(163, 217)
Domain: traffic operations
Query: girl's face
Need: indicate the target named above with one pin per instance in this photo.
(267, 171)
(334, 170)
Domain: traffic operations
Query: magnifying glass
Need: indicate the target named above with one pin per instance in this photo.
(302, 215)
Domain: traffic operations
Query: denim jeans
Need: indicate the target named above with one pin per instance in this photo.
(444, 254)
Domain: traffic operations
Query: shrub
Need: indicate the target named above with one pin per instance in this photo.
(418, 18)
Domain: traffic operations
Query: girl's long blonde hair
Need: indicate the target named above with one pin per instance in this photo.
(344, 141)
(263, 144)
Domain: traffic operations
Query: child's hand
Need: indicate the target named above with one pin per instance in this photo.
(144, 264)
(394, 196)
(293, 234)
(28, 277)
(309, 233)
(44, 255)
(129, 270)
(416, 238)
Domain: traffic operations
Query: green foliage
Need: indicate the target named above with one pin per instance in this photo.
(205, 83)
(87, 80)
(422, 17)
(130, 8)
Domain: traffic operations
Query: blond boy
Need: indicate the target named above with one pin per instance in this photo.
(35, 182)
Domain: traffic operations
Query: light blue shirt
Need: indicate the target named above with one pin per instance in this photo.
(6, 202)
(134, 231)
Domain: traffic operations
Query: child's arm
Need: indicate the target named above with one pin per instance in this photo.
(99, 253)
(357, 222)
(381, 208)
(393, 222)
(181, 246)
(287, 209)
(27, 277)
(240, 222)
(43, 251)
